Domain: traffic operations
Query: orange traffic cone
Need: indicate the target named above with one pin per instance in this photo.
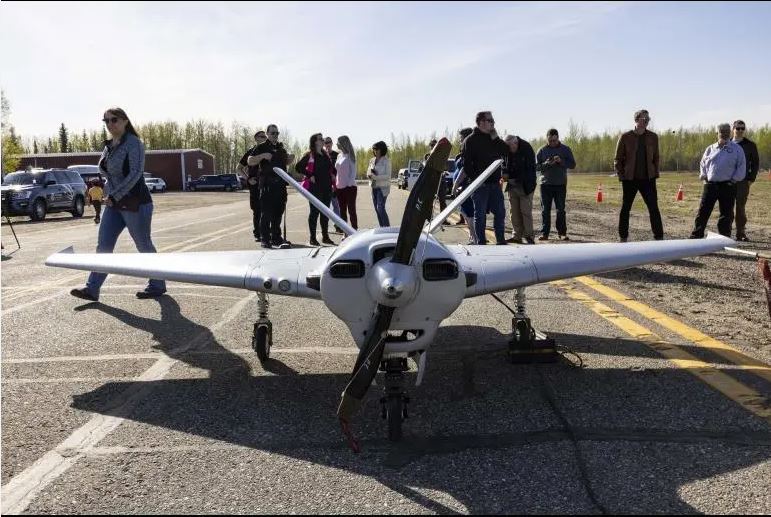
(599, 193)
(679, 196)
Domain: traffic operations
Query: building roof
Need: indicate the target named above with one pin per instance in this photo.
(149, 151)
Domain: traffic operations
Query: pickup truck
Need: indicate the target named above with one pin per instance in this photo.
(407, 176)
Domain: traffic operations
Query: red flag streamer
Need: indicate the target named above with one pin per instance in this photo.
(765, 272)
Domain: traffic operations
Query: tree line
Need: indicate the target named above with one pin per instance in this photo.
(680, 149)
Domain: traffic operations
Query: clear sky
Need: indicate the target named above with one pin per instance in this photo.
(372, 69)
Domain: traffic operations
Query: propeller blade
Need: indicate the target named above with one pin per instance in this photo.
(421, 202)
(418, 210)
(367, 363)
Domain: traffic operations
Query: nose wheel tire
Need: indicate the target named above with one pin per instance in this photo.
(262, 341)
(395, 412)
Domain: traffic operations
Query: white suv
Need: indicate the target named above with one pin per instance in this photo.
(156, 185)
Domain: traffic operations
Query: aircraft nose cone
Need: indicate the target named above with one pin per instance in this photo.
(391, 290)
(392, 284)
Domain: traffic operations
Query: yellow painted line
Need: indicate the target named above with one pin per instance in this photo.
(743, 395)
(700, 339)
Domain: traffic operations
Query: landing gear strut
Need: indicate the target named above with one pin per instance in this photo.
(262, 338)
(527, 345)
(394, 401)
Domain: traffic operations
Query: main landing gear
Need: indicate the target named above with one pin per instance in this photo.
(527, 345)
(394, 401)
(262, 338)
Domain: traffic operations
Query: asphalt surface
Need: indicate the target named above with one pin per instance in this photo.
(160, 406)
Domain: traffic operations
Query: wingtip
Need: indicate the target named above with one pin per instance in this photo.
(726, 240)
(51, 260)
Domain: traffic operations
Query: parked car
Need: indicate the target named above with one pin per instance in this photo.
(408, 175)
(88, 172)
(40, 192)
(227, 182)
(155, 184)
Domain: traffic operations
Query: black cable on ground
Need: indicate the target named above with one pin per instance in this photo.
(547, 391)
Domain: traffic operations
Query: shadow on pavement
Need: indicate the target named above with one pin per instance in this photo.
(496, 437)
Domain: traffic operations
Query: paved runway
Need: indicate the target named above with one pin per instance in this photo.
(155, 406)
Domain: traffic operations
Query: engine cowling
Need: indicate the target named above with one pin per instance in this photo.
(360, 275)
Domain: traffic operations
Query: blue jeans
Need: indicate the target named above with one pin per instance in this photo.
(556, 193)
(489, 197)
(379, 199)
(335, 205)
(113, 223)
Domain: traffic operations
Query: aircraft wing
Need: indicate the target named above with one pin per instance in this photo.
(281, 272)
(490, 269)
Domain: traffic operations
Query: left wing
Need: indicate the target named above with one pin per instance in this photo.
(500, 268)
(281, 272)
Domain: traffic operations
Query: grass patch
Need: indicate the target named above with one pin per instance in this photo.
(582, 190)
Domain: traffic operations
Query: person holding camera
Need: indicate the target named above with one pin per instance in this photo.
(553, 161)
(271, 153)
(379, 174)
(637, 166)
(252, 174)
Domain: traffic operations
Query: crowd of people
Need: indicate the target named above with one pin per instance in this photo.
(327, 174)
(728, 169)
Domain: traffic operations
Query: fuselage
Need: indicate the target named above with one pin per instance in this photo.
(360, 274)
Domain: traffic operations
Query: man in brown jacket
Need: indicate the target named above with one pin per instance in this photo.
(637, 166)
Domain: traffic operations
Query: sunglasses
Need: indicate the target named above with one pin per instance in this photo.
(273, 132)
(110, 120)
(491, 121)
(740, 128)
(261, 137)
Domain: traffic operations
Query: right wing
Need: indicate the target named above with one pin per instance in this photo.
(500, 268)
(281, 272)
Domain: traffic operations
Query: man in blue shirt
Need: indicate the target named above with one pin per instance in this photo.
(722, 167)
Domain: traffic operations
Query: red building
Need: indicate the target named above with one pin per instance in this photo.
(173, 165)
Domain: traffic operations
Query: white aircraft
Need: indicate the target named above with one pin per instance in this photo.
(393, 286)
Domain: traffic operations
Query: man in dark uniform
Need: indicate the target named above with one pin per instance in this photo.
(273, 195)
(252, 175)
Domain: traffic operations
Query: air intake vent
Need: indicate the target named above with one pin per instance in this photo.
(347, 269)
(440, 269)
